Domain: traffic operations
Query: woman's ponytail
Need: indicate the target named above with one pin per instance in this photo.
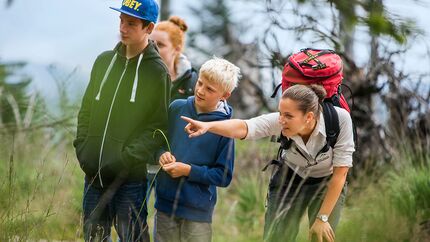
(309, 98)
(179, 22)
(319, 91)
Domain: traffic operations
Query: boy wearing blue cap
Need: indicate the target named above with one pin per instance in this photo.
(126, 100)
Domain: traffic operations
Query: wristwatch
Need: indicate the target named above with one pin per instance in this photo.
(323, 217)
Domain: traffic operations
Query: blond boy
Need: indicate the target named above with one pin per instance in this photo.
(186, 188)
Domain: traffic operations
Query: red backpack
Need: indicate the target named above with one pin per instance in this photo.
(322, 67)
(313, 66)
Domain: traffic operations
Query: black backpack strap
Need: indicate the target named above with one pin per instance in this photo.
(285, 145)
(285, 142)
(332, 128)
(272, 162)
(276, 90)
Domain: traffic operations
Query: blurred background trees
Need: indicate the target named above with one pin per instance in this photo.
(389, 103)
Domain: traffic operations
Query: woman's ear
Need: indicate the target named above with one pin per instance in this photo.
(309, 117)
(177, 52)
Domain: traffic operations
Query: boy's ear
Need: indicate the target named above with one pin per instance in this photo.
(150, 28)
(226, 95)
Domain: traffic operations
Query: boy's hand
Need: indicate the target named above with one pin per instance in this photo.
(177, 169)
(166, 158)
(195, 128)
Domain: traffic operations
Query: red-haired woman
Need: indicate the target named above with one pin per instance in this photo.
(170, 38)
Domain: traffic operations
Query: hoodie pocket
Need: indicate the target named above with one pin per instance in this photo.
(111, 163)
(88, 155)
(197, 196)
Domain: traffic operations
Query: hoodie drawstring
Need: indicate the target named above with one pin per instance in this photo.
(106, 75)
(136, 80)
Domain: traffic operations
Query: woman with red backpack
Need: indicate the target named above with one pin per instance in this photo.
(309, 173)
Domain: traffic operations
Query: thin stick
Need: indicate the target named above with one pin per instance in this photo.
(155, 176)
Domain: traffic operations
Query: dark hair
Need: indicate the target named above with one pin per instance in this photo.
(308, 97)
(145, 23)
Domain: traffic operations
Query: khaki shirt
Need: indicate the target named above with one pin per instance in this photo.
(303, 157)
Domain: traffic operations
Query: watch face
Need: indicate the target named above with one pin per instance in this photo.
(323, 217)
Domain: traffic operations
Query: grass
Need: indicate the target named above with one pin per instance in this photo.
(41, 188)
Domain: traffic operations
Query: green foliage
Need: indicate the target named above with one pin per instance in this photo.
(42, 200)
(13, 97)
(40, 189)
(251, 192)
(344, 6)
(380, 25)
(40, 181)
(239, 213)
(393, 208)
(370, 217)
(377, 19)
(410, 192)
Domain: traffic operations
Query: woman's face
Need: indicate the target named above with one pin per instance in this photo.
(293, 120)
(167, 51)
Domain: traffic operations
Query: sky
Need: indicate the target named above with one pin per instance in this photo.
(70, 34)
(63, 33)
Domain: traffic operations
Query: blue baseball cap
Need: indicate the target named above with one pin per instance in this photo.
(142, 9)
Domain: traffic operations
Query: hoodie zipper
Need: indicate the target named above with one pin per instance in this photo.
(107, 121)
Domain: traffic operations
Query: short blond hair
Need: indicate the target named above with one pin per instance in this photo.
(222, 72)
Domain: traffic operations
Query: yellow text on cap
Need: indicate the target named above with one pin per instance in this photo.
(132, 4)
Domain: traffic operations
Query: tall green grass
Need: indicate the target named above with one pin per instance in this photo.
(395, 208)
(41, 189)
(40, 185)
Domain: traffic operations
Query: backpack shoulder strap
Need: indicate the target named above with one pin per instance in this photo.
(332, 129)
(276, 90)
(285, 145)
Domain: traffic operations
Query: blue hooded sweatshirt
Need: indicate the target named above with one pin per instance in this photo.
(211, 158)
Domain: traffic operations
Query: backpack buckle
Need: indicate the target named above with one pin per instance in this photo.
(319, 66)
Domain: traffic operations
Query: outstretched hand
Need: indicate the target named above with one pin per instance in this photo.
(195, 128)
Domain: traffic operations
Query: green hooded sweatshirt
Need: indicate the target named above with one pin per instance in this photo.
(125, 102)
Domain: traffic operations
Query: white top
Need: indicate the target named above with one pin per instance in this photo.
(310, 165)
